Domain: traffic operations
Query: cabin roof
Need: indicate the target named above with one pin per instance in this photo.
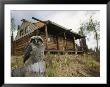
(52, 28)
(61, 29)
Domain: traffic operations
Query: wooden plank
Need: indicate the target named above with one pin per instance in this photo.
(57, 43)
(73, 42)
(65, 41)
(46, 35)
(60, 43)
(69, 44)
(75, 47)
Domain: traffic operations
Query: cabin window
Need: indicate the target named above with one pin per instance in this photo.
(52, 38)
(48, 39)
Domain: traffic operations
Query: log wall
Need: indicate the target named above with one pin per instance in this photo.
(70, 44)
(59, 44)
(20, 44)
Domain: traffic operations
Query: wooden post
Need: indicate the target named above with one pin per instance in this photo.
(81, 44)
(57, 43)
(65, 43)
(75, 47)
(46, 35)
(73, 43)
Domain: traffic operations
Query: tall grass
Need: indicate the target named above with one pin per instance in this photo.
(16, 62)
(70, 65)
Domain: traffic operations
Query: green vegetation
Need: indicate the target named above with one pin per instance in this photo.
(91, 26)
(81, 65)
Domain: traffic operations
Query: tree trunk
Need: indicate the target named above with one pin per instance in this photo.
(96, 41)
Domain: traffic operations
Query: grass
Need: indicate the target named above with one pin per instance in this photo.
(16, 62)
(68, 65)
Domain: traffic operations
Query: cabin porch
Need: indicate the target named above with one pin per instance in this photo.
(63, 52)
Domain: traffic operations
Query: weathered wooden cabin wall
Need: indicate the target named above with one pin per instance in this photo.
(70, 44)
(54, 37)
(20, 44)
(61, 43)
(54, 43)
(57, 42)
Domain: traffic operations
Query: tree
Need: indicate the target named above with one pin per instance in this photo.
(94, 26)
(83, 32)
(12, 26)
(91, 26)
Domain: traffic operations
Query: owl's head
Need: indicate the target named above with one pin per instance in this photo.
(37, 40)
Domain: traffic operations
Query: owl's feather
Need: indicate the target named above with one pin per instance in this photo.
(27, 52)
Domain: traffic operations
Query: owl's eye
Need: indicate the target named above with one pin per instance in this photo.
(33, 40)
(40, 40)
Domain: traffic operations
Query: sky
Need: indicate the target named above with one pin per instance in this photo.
(68, 19)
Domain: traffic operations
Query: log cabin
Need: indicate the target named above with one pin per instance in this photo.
(56, 37)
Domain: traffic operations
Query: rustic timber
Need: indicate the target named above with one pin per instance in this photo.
(56, 37)
(38, 20)
(57, 43)
(46, 35)
(65, 43)
(76, 50)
